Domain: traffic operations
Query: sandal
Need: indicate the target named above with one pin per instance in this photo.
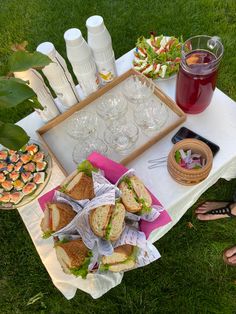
(225, 258)
(225, 210)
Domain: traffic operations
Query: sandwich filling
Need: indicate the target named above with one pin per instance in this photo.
(106, 221)
(145, 203)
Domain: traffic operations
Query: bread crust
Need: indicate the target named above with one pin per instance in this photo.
(46, 220)
(76, 252)
(83, 189)
(141, 190)
(123, 251)
(122, 266)
(66, 214)
(114, 214)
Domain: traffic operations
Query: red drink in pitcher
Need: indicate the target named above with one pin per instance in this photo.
(197, 76)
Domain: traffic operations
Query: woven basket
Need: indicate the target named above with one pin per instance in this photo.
(190, 176)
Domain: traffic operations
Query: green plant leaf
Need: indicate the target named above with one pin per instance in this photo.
(14, 92)
(12, 136)
(23, 60)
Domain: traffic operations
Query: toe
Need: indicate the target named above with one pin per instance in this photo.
(204, 217)
(232, 259)
(207, 206)
(231, 252)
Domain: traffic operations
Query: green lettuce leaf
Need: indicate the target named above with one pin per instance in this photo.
(47, 234)
(128, 182)
(145, 209)
(86, 167)
(82, 271)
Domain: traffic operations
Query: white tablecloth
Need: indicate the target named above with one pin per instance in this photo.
(217, 123)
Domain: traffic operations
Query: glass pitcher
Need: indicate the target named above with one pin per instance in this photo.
(196, 80)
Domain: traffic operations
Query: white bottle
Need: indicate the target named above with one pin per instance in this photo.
(100, 42)
(58, 76)
(81, 59)
(44, 96)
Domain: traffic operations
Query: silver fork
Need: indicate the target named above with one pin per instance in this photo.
(157, 162)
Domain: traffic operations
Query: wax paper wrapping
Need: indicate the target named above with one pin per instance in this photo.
(105, 194)
(147, 252)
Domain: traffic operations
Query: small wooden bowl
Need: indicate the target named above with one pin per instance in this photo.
(190, 176)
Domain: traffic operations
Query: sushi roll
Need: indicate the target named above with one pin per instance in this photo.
(32, 148)
(14, 158)
(16, 197)
(12, 152)
(41, 165)
(14, 175)
(2, 177)
(18, 166)
(26, 176)
(18, 185)
(7, 185)
(10, 168)
(26, 158)
(39, 177)
(39, 156)
(3, 154)
(29, 167)
(3, 165)
(5, 197)
(29, 188)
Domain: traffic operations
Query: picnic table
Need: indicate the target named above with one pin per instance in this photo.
(217, 123)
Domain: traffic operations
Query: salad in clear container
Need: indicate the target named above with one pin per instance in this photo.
(157, 57)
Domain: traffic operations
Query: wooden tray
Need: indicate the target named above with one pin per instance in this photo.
(54, 136)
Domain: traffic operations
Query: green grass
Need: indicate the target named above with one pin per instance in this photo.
(191, 276)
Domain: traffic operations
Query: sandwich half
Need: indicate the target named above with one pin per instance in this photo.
(79, 185)
(107, 221)
(123, 258)
(74, 257)
(56, 216)
(135, 196)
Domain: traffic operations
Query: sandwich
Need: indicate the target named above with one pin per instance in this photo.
(135, 196)
(79, 185)
(56, 216)
(123, 258)
(74, 257)
(107, 221)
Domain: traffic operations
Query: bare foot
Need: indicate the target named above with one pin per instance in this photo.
(202, 210)
(229, 256)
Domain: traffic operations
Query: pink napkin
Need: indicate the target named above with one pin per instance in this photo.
(113, 171)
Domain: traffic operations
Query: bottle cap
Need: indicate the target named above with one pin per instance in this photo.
(47, 49)
(95, 24)
(73, 37)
